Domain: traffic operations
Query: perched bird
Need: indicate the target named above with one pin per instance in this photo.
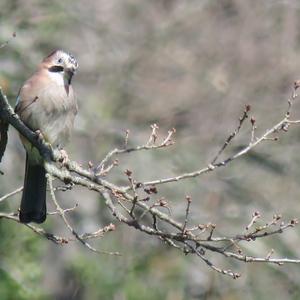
(45, 104)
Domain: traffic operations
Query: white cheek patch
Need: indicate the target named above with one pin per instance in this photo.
(57, 77)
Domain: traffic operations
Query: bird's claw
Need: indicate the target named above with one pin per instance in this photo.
(64, 158)
(39, 135)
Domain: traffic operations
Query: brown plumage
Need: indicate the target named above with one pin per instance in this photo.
(46, 103)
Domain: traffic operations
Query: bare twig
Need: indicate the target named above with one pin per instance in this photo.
(18, 190)
(38, 230)
(276, 128)
(128, 204)
(167, 141)
(255, 216)
(234, 133)
(64, 218)
(187, 211)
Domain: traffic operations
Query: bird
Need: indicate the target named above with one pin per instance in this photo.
(46, 104)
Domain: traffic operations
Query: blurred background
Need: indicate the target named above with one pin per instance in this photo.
(192, 65)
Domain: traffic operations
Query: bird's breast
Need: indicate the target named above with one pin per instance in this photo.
(53, 114)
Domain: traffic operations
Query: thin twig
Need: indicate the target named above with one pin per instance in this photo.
(187, 211)
(18, 190)
(234, 133)
(64, 218)
(38, 230)
(175, 234)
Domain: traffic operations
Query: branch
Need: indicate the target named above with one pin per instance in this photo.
(62, 214)
(18, 190)
(153, 215)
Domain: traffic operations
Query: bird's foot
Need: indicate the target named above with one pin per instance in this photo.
(64, 158)
(39, 135)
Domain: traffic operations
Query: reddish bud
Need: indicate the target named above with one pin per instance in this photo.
(188, 199)
(256, 214)
(294, 222)
(163, 202)
(128, 172)
(153, 189)
(111, 227)
(296, 84)
(277, 217)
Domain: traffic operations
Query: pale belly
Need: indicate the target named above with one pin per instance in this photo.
(53, 119)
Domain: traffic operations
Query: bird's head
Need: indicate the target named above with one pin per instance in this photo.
(61, 62)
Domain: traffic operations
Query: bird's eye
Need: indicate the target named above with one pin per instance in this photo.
(60, 60)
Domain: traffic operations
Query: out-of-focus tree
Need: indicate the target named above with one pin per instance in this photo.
(189, 65)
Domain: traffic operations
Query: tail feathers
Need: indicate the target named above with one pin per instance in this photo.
(33, 203)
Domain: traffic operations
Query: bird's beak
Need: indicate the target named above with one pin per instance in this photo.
(71, 70)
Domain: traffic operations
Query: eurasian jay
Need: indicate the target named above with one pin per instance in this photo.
(46, 104)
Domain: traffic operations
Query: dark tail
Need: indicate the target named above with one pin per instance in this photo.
(33, 203)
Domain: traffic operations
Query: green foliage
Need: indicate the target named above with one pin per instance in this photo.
(20, 268)
(145, 277)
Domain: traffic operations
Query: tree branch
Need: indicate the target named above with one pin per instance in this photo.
(128, 204)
